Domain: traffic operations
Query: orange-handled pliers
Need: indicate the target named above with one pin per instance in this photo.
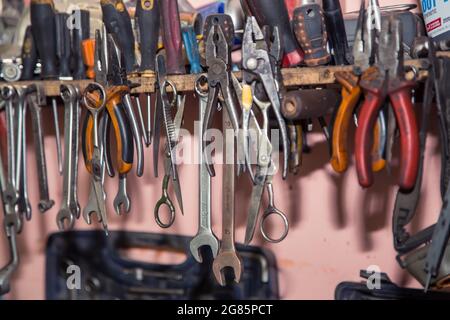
(351, 93)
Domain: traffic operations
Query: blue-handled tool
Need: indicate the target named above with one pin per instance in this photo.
(191, 47)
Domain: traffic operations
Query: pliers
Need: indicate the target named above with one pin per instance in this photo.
(257, 62)
(386, 79)
(364, 52)
(218, 62)
(110, 76)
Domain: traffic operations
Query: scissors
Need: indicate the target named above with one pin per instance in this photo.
(265, 167)
(165, 199)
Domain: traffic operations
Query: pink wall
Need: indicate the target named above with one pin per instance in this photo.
(336, 227)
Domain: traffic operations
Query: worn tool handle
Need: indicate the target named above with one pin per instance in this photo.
(63, 44)
(88, 55)
(311, 33)
(80, 33)
(274, 13)
(409, 136)
(364, 137)
(309, 103)
(148, 21)
(29, 55)
(117, 22)
(122, 128)
(191, 48)
(42, 14)
(171, 31)
(337, 36)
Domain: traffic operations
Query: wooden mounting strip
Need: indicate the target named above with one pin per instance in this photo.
(291, 77)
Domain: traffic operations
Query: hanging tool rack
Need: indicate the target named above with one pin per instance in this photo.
(292, 77)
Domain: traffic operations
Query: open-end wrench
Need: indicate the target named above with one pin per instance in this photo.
(227, 257)
(12, 221)
(122, 200)
(10, 194)
(205, 235)
(68, 212)
(36, 101)
(7, 271)
(24, 205)
(74, 203)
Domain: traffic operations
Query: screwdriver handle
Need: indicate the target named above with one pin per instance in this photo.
(88, 53)
(80, 33)
(171, 32)
(117, 22)
(29, 55)
(337, 36)
(147, 20)
(63, 44)
(191, 48)
(274, 13)
(42, 14)
(309, 28)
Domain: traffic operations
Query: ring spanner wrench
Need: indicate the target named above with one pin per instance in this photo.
(205, 235)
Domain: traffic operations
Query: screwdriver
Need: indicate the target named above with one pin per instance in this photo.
(63, 45)
(274, 13)
(337, 37)
(80, 33)
(117, 21)
(171, 32)
(88, 55)
(43, 23)
(29, 55)
(147, 24)
(311, 33)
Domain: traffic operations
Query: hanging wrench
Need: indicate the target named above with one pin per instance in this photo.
(70, 208)
(227, 257)
(24, 205)
(75, 205)
(12, 220)
(122, 200)
(12, 217)
(36, 100)
(205, 235)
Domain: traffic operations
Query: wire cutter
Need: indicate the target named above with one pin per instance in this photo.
(364, 49)
(163, 115)
(386, 79)
(257, 62)
(112, 84)
(218, 62)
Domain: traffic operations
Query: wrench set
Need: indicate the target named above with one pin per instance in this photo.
(267, 113)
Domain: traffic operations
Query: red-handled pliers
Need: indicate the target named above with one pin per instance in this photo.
(386, 79)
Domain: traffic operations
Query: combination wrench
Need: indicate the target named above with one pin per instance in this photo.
(205, 235)
(24, 205)
(70, 208)
(12, 221)
(228, 256)
(36, 100)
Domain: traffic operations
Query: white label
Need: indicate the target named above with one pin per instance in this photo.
(437, 16)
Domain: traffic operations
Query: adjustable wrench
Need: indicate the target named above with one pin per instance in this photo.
(36, 101)
(227, 257)
(205, 235)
